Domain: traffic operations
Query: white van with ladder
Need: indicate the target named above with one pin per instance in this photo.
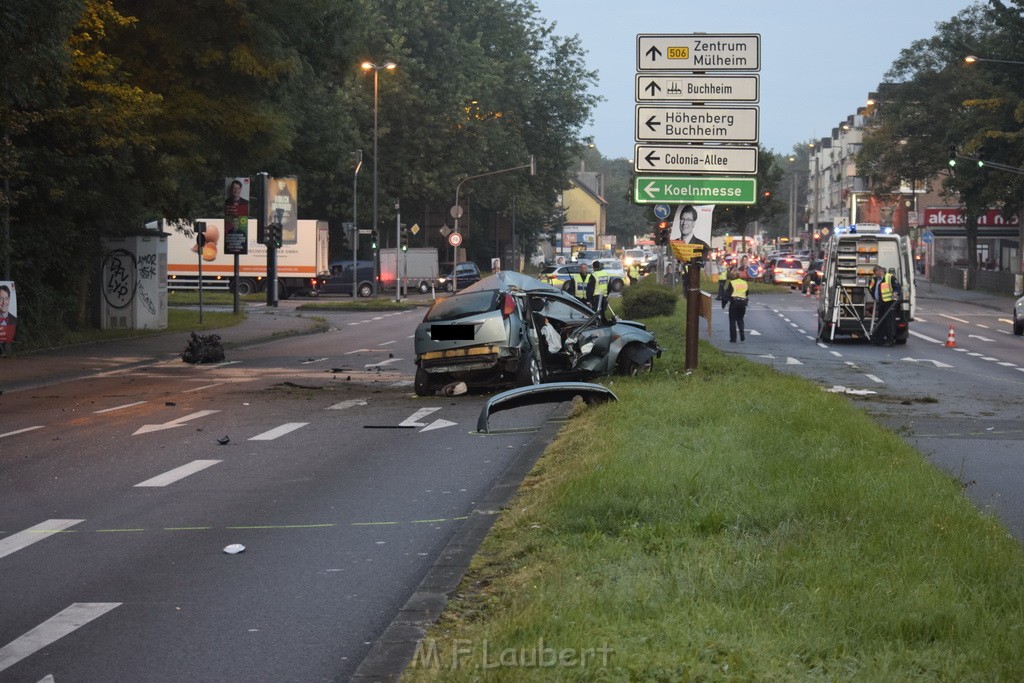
(846, 306)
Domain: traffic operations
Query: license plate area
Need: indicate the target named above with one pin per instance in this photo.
(452, 332)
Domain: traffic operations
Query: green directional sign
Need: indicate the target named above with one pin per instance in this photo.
(694, 190)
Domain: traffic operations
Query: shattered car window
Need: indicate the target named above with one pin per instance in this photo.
(460, 305)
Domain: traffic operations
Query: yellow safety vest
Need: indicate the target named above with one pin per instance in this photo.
(602, 282)
(885, 288)
(581, 285)
(739, 288)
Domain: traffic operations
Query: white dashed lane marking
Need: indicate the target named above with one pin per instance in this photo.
(22, 539)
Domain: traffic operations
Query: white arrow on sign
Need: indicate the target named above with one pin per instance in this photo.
(978, 336)
(683, 123)
(414, 420)
(927, 360)
(695, 159)
(145, 429)
(697, 88)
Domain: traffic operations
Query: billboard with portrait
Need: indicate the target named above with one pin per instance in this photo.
(8, 311)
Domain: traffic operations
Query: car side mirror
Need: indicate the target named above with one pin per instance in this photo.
(537, 305)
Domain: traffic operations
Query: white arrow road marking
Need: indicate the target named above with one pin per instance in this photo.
(414, 419)
(753, 333)
(145, 429)
(792, 361)
(177, 473)
(33, 534)
(21, 431)
(927, 360)
(276, 432)
(314, 360)
(383, 363)
(438, 424)
(978, 336)
(73, 617)
(126, 405)
(348, 404)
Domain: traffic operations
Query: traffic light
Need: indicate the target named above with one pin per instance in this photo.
(766, 195)
(274, 235)
(373, 239)
(404, 235)
(952, 155)
(663, 233)
(201, 233)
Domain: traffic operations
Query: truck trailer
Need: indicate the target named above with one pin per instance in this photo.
(299, 266)
(846, 306)
(415, 269)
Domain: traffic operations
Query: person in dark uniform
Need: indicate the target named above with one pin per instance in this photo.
(885, 290)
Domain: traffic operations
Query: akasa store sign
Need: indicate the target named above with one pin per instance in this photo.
(955, 218)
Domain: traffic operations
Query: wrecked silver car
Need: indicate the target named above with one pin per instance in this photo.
(512, 329)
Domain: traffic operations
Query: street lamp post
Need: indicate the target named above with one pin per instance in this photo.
(367, 66)
(355, 222)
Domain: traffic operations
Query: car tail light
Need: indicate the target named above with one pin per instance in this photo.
(799, 271)
(508, 306)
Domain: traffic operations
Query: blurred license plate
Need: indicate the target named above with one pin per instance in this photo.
(451, 332)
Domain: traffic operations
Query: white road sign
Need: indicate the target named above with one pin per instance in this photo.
(700, 159)
(697, 88)
(698, 52)
(696, 124)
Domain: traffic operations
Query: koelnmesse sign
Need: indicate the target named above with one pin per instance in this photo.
(686, 190)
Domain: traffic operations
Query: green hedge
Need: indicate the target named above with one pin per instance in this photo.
(648, 299)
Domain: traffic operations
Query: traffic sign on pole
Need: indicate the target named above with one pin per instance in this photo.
(697, 88)
(455, 239)
(694, 190)
(710, 159)
(698, 52)
(696, 124)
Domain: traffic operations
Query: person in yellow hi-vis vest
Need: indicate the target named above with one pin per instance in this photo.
(885, 290)
(736, 294)
(602, 281)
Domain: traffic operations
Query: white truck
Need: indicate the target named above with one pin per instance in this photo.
(846, 306)
(299, 265)
(418, 269)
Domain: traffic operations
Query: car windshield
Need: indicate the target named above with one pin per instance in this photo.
(470, 303)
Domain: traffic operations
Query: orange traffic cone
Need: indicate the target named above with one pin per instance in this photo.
(951, 338)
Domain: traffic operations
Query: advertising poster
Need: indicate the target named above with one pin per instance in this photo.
(236, 217)
(8, 311)
(283, 197)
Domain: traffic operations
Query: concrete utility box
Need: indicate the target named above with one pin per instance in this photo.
(133, 282)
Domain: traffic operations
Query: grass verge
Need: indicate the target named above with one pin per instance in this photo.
(736, 523)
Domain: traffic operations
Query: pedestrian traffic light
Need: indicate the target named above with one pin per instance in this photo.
(404, 235)
(952, 155)
(201, 233)
(275, 235)
(373, 239)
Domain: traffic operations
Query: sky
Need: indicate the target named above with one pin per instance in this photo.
(819, 58)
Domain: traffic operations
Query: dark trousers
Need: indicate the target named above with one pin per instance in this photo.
(885, 323)
(737, 310)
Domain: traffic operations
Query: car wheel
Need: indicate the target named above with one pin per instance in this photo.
(528, 373)
(422, 384)
(822, 331)
(631, 368)
(617, 285)
(424, 288)
(1018, 327)
(448, 287)
(365, 290)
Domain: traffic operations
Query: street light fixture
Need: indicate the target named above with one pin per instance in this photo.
(368, 66)
(971, 59)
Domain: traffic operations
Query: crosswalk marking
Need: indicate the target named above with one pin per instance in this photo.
(277, 432)
(22, 539)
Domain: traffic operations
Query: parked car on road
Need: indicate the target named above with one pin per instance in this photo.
(557, 276)
(467, 273)
(785, 271)
(510, 328)
(1018, 317)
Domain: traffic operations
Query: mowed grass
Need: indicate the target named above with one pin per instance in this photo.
(733, 524)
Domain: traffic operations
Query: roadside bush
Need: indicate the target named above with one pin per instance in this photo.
(647, 299)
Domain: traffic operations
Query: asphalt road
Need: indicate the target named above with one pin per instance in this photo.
(119, 501)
